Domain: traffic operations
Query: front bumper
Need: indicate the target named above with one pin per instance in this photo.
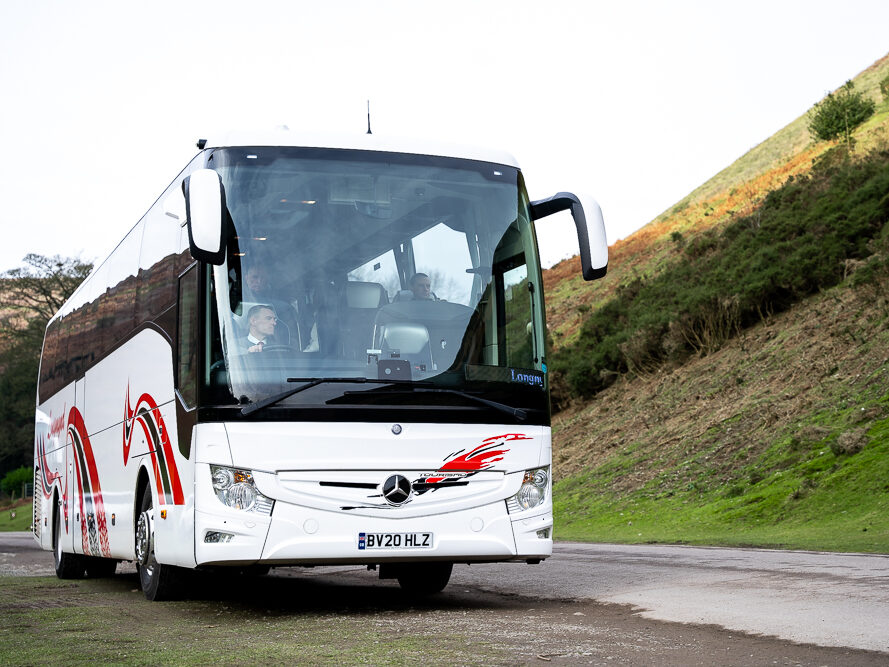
(296, 535)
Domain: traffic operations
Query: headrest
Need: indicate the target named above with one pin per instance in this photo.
(365, 295)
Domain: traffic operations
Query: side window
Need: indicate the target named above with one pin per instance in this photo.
(187, 338)
(156, 264)
(443, 254)
(381, 270)
(517, 320)
(160, 258)
(117, 304)
(52, 363)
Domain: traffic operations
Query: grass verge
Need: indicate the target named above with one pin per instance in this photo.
(16, 516)
(48, 621)
(817, 500)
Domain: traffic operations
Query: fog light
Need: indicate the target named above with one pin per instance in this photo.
(530, 496)
(543, 534)
(215, 537)
(241, 496)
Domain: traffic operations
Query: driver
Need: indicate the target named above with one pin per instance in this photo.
(296, 317)
(262, 321)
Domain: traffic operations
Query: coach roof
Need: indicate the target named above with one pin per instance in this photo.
(367, 142)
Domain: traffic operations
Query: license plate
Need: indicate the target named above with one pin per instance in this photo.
(394, 541)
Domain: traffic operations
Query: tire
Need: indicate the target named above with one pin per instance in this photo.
(422, 579)
(99, 568)
(68, 566)
(158, 581)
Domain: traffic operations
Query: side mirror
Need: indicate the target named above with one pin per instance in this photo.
(590, 229)
(204, 209)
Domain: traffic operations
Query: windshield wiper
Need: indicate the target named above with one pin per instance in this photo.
(518, 413)
(309, 383)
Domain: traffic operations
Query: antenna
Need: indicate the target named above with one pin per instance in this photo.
(368, 118)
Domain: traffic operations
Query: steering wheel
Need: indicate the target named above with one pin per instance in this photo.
(278, 348)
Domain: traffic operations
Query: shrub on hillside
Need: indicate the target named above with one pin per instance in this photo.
(850, 442)
(839, 113)
(796, 244)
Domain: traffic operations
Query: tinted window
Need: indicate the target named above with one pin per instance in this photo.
(187, 337)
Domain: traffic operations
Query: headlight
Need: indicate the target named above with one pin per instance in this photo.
(236, 489)
(532, 492)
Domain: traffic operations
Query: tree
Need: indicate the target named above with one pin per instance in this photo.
(839, 113)
(14, 481)
(41, 286)
(29, 296)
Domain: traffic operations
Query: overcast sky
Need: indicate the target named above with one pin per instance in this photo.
(636, 103)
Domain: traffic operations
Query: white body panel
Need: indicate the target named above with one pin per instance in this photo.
(373, 446)
(51, 458)
(326, 478)
(309, 524)
(127, 422)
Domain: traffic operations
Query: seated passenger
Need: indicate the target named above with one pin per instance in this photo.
(421, 286)
(257, 285)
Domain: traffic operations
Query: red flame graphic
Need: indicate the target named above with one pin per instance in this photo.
(482, 457)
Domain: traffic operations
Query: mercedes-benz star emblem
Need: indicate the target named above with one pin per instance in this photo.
(397, 489)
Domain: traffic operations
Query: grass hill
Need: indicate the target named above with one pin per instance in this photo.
(742, 397)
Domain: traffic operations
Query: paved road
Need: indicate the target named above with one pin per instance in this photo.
(824, 599)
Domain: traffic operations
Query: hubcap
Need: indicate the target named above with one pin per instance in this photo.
(144, 539)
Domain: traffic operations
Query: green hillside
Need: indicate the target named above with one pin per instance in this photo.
(728, 382)
(735, 191)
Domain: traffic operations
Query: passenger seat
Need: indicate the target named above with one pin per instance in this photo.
(362, 301)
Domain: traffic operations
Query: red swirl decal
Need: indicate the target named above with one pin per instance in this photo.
(47, 477)
(163, 462)
(93, 525)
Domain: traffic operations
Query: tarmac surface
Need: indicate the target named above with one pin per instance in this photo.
(610, 604)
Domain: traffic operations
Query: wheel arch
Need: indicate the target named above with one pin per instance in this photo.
(54, 509)
(143, 480)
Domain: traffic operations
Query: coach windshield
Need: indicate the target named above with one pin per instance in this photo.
(415, 276)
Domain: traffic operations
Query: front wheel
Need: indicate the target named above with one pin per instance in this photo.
(158, 581)
(422, 579)
(68, 566)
